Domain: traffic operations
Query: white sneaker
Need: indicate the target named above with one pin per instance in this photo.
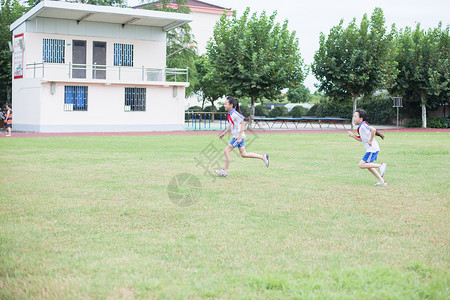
(266, 159)
(382, 169)
(222, 173)
(381, 183)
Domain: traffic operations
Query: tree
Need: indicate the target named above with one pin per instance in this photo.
(255, 57)
(179, 38)
(208, 85)
(11, 10)
(355, 61)
(299, 94)
(424, 68)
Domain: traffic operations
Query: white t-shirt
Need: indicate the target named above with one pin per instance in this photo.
(235, 119)
(364, 133)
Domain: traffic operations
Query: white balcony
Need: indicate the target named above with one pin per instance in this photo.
(81, 73)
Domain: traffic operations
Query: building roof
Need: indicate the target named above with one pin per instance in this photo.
(194, 5)
(105, 14)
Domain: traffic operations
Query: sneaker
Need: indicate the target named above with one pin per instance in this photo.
(384, 183)
(382, 169)
(266, 159)
(222, 173)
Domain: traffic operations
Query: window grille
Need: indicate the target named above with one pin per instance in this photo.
(53, 51)
(75, 98)
(135, 99)
(123, 55)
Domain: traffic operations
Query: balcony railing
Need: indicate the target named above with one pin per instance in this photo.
(57, 72)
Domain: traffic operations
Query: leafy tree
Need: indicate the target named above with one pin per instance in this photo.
(177, 39)
(255, 57)
(299, 94)
(11, 10)
(424, 68)
(208, 85)
(355, 61)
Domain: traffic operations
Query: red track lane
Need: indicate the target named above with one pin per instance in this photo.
(216, 132)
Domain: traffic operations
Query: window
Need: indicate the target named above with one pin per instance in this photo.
(53, 51)
(135, 99)
(75, 98)
(123, 55)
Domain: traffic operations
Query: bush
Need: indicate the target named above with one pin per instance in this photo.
(195, 108)
(298, 112)
(329, 108)
(261, 110)
(431, 123)
(245, 110)
(379, 109)
(209, 109)
(279, 111)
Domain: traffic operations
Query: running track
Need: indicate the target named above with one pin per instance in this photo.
(199, 132)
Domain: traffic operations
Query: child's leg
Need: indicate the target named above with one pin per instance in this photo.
(371, 167)
(245, 154)
(376, 174)
(226, 152)
(366, 165)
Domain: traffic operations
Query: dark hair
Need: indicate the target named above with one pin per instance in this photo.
(235, 102)
(363, 114)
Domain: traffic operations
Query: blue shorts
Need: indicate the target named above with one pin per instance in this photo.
(370, 156)
(235, 144)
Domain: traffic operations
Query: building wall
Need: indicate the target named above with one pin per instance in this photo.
(38, 98)
(203, 28)
(40, 109)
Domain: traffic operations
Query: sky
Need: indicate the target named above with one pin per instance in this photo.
(311, 17)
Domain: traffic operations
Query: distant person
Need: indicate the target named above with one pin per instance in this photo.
(236, 126)
(8, 119)
(367, 137)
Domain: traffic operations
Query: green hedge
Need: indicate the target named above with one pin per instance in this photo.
(298, 112)
(379, 109)
(279, 111)
(261, 110)
(431, 123)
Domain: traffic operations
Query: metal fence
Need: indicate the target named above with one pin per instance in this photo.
(204, 120)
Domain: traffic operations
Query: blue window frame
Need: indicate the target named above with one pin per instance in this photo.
(75, 98)
(123, 55)
(53, 51)
(135, 99)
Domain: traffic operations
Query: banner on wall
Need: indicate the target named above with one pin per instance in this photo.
(18, 56)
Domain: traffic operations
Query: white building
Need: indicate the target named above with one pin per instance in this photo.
(92, 68)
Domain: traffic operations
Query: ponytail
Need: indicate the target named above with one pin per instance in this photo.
(379, 134)
(235, 102)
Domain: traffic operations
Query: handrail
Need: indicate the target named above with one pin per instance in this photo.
(91, 71)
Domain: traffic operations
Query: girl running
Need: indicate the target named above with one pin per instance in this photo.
(367, 136)
(236, 126)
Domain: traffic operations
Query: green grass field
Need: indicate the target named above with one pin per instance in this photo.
(90, 217)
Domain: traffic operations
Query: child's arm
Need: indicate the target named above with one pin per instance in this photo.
(372, 135)
(225, 132)
(351, 134)
(239, 137)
